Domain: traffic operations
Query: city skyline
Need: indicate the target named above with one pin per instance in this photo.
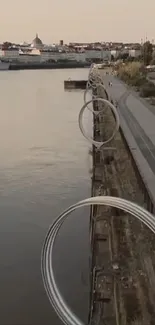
(78, 21)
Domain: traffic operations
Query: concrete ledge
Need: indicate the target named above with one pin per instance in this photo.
(145, 171)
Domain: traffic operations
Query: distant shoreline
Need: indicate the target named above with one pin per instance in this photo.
(39, 66)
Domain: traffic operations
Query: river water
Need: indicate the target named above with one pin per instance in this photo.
(44, 168)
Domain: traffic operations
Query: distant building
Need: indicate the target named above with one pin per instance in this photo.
(38, 52)
(10, 54)
(37, 43)
(135, 53)
(28, 56)
(115, 53)
(98, 54)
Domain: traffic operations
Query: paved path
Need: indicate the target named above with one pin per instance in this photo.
(138, 124)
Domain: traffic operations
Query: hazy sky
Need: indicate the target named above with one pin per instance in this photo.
(81, 20)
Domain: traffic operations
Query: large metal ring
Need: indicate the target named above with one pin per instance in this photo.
(47, 267)
(99, 144)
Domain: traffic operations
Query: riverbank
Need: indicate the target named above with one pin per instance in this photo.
(57, 65)
(122, 256)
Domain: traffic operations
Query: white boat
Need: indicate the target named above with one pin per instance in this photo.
(4, 65)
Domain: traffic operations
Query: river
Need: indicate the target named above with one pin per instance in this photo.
(44, 168)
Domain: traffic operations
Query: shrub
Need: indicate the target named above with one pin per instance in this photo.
(130, 71)
(138, 81)
(134, 74)
(148, 90)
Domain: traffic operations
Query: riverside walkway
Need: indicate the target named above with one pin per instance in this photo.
(138, 125)
(122, 248)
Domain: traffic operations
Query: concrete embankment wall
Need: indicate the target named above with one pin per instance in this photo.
(38, 66)
(123, 249)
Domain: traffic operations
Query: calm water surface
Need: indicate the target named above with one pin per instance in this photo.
(44, 167)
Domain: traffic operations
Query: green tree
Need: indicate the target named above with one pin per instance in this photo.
(6, 45)
(123, 56)
(147, 51)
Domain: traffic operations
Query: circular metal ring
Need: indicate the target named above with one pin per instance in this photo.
(97, 85)
(99, 144)
(54, 295)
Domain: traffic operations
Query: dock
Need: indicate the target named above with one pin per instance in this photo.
(75, 84)
(123, 249)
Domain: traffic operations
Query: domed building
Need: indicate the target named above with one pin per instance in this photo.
(37, 43)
